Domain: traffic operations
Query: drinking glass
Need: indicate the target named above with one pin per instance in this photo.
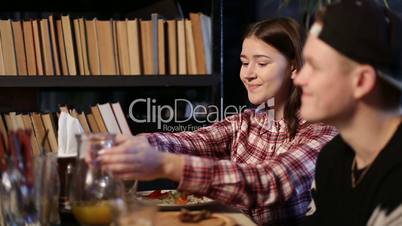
(133, 212)
(93, 190)
(47, 189)
(17, 196)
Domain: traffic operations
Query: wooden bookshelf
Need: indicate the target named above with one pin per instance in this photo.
(42, 92)
(111, 81)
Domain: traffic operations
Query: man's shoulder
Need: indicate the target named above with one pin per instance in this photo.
(332, 152)
(331, 149)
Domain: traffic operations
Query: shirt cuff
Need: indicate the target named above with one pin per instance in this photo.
(197, 175)
(153, 140)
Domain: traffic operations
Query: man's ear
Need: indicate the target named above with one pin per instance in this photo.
(364, 80)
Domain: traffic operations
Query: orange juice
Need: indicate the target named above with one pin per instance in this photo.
(93, 213)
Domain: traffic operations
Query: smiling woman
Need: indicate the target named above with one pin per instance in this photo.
(260, 160)
(274, 50)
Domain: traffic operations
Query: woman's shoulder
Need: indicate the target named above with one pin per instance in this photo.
(316, 130)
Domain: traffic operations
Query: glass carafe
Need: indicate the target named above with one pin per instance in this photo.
(93, 190)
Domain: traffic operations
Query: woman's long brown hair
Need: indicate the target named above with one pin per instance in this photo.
(287, 36)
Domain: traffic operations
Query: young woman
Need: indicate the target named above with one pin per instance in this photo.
(261, 161)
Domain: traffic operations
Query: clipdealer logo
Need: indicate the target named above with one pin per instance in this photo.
(163, 114)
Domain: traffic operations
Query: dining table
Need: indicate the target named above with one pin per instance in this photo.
(239, 219)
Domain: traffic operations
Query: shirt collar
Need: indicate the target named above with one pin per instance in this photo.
(265, 106)
(269, 122)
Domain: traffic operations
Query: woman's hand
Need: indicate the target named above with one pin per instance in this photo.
(134, 158)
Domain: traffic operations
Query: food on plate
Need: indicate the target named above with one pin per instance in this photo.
(194, 217)
(157, 194)
(173, 197)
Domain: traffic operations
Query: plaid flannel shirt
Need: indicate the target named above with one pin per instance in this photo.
(248, 161)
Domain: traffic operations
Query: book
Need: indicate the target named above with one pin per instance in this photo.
(155, 43)
(93, 50)
(18, 121)
(134, 46)
(181, 48)
(9, 123)
(3, 130)
(161, 47)
(13, 121)
(84, 123)
(29, 47)
(7, 43)
(49, 125)
(123, 48)
(84, 48)
(104, 30)
(92, 123)
(121, 119)
(146, 46)
(191, 57)
(40, 131)
(46, 47)
(115, 48)
(38, 48)
(172, 46)
(2, 68)
(207, 37)
(195, 19)
(19, 48)
(77, 39)
(69, 45)
(98, 119)
(28, 125)
(108, 118)
(54, 46)
(62, 49)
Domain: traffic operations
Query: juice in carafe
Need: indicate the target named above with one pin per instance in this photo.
(97, 213)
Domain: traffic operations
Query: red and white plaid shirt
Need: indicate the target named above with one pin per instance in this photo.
(248, 161)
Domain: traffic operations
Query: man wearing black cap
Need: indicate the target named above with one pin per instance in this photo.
(352, 79)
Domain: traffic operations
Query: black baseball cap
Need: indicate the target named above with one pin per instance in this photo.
(367, 33)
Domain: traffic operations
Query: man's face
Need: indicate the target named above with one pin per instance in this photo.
(326, 82)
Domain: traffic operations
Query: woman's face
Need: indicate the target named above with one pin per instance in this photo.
(265, 72)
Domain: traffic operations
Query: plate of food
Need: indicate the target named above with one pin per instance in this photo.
(173, 199)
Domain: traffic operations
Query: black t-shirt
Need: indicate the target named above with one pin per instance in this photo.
(337, 203)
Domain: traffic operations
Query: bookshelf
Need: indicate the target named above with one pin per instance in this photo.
(112, 81)
(34, 89)
(43, 93)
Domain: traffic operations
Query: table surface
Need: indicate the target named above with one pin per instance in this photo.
(67, 219)
(241, 219)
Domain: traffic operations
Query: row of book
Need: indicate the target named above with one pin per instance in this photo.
(61, 45)
(108, 117)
